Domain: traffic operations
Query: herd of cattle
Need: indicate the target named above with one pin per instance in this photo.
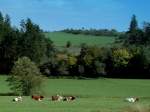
(53, 98)
(66, 98)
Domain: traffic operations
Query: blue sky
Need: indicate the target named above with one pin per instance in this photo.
(59, 14)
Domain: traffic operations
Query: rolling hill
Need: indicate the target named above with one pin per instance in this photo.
(61, 38)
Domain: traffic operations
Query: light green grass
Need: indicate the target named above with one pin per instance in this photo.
(61, 38)
(101, 95)
(99, 87)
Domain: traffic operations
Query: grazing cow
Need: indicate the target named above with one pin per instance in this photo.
(17, 99)
(37, 98)
(132, 99)
(69, 98)
(57, 98)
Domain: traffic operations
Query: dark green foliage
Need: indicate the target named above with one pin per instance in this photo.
(57, 66)
(1, 18)
(68, 44)
(25, 78)
(8, 45)
(33, 43)
(132, 62)
(135, 35)
(139, 62)
(116, 62)
(146, 33)
(50, 49)
(137, 41)
(95, 32)
(1, 25)
(28, 41)
(91, 61)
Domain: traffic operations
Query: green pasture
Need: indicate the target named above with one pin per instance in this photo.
(61, 38)
(94, 95)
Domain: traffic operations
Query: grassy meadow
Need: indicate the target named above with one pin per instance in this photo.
(61, 38)
(95, 95)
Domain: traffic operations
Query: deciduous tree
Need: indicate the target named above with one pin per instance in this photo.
(25, 77)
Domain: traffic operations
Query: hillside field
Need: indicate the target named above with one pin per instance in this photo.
(61, 38)
(94, 95)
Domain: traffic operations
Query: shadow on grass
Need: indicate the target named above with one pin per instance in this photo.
(8, 94)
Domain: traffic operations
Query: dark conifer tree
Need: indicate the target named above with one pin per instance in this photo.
(133, 24)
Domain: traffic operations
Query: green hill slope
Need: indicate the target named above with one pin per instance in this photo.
(60, 39)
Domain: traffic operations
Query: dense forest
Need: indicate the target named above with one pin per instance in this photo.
(27, 41)
(128, 57)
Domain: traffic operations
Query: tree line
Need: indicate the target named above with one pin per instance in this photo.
(94, 32)
(94, 62)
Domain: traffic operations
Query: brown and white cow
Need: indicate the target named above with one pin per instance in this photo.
(69, 98)
(63, 98)
(57, 98)
(37, 97)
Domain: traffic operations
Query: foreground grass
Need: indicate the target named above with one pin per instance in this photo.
(101, 95)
